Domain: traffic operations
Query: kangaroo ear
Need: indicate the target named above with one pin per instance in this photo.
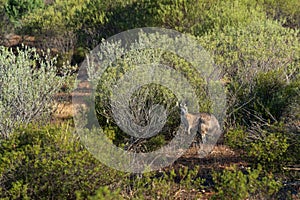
(180, 104)
(186, 103)
(183, 103)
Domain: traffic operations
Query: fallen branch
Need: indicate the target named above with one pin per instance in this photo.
(292, 168)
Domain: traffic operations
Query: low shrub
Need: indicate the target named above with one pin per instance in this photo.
(274, 97)
(269, 150)
(54, 27)
(236, 138)
(236, 184)
(165, 185)
(174, 184)
(293, 155)
(50, 163)
(104, 193)
(268, 146)
(54, 19)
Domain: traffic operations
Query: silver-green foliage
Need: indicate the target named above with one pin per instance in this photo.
(27, 85)
(144, 63)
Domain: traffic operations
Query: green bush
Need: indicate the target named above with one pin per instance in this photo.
(246, 54)
(54, 27)
(200, 17)
(102, 19)
(236, 138)
(269, 150)
(6, 26)
(272, 98)
(28, 82)
(104, 193)
(286, 11)
(49, 163)
(262, 82)
(16, 9)
(274, 94)
(253, 183)
(165, 185)
(131, 14)
(293, 155)
(269, 146)
(182, 183)
(54, 19)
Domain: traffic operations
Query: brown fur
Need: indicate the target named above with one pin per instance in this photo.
(204, 123)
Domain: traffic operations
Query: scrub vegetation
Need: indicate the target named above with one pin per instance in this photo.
(255, 43)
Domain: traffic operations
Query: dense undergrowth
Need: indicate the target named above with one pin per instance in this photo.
(50, 162)
(255, 43)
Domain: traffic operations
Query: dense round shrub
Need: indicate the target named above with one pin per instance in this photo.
(49, 163)
(269, 146)
(102, 19)
(200, 17)
(54, 19)
(270, 149)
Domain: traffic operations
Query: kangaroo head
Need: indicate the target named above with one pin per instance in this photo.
(183, 108)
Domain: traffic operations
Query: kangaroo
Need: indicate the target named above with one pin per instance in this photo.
(204, 123)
